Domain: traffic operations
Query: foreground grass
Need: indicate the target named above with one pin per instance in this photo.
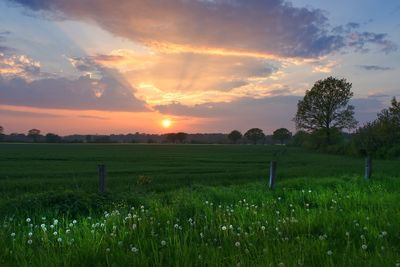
(305, 222)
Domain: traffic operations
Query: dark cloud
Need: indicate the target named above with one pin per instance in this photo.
(374, 67)
(93, 117)
(360, 40)
(108, 93)
(270, 26)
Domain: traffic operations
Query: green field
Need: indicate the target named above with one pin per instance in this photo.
(194, 205)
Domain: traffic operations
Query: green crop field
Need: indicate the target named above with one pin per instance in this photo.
(194, 205)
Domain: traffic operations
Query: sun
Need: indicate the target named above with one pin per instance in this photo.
(166, 123)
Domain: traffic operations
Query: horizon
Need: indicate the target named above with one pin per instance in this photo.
(195, 67)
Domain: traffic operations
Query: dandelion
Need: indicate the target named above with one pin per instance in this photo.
(30, 234)
(263, 228)
(223, 228)
(67, 231)
(59, 240)
(384, 233)
(74, 222)
(28, 220)
(29, 241)
(55, 222)
(55, 233)
(12, 234)
(364, 247)
(134, 250)
(163, 243)
(237, 244)
(108, 250)
(329, 252)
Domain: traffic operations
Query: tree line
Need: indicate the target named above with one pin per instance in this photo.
(321, 119)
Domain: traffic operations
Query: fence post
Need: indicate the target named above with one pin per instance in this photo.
(368, 167)
(102, 178)
(272, 174)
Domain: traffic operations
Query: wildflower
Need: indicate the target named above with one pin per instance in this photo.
(163, 243)
(12, 234)
(176, 226)
(237, 244)
(384, 233)
(59, 240)
(67, 231)
(263, 228)
(29, 241)
(55, 233)
(134, 250)
(329, 252)
(364, 246)
(28, 220)
(223, 228)
(30, 234)
(74, 222)
(108, 249)
(55, 222)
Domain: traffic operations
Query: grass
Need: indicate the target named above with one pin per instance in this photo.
(197, 206)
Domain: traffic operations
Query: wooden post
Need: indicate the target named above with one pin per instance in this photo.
(368, 167)
(102, 178)
(272, 174)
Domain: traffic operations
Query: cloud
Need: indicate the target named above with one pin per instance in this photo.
(18, 65)
(83, 93)
(25, 114)
(270, 27)
(374, 67)
(162, 77)
(93, 117)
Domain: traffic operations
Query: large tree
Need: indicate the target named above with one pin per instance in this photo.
(255, 135)
(382, 136)
(234, 136)
(282, 134)
(326, 108)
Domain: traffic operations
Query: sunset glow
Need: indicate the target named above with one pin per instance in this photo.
(121, 68)
(166, 123)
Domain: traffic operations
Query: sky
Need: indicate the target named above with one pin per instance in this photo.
(109, 67)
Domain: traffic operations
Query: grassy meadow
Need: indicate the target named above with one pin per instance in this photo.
(194, 205)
